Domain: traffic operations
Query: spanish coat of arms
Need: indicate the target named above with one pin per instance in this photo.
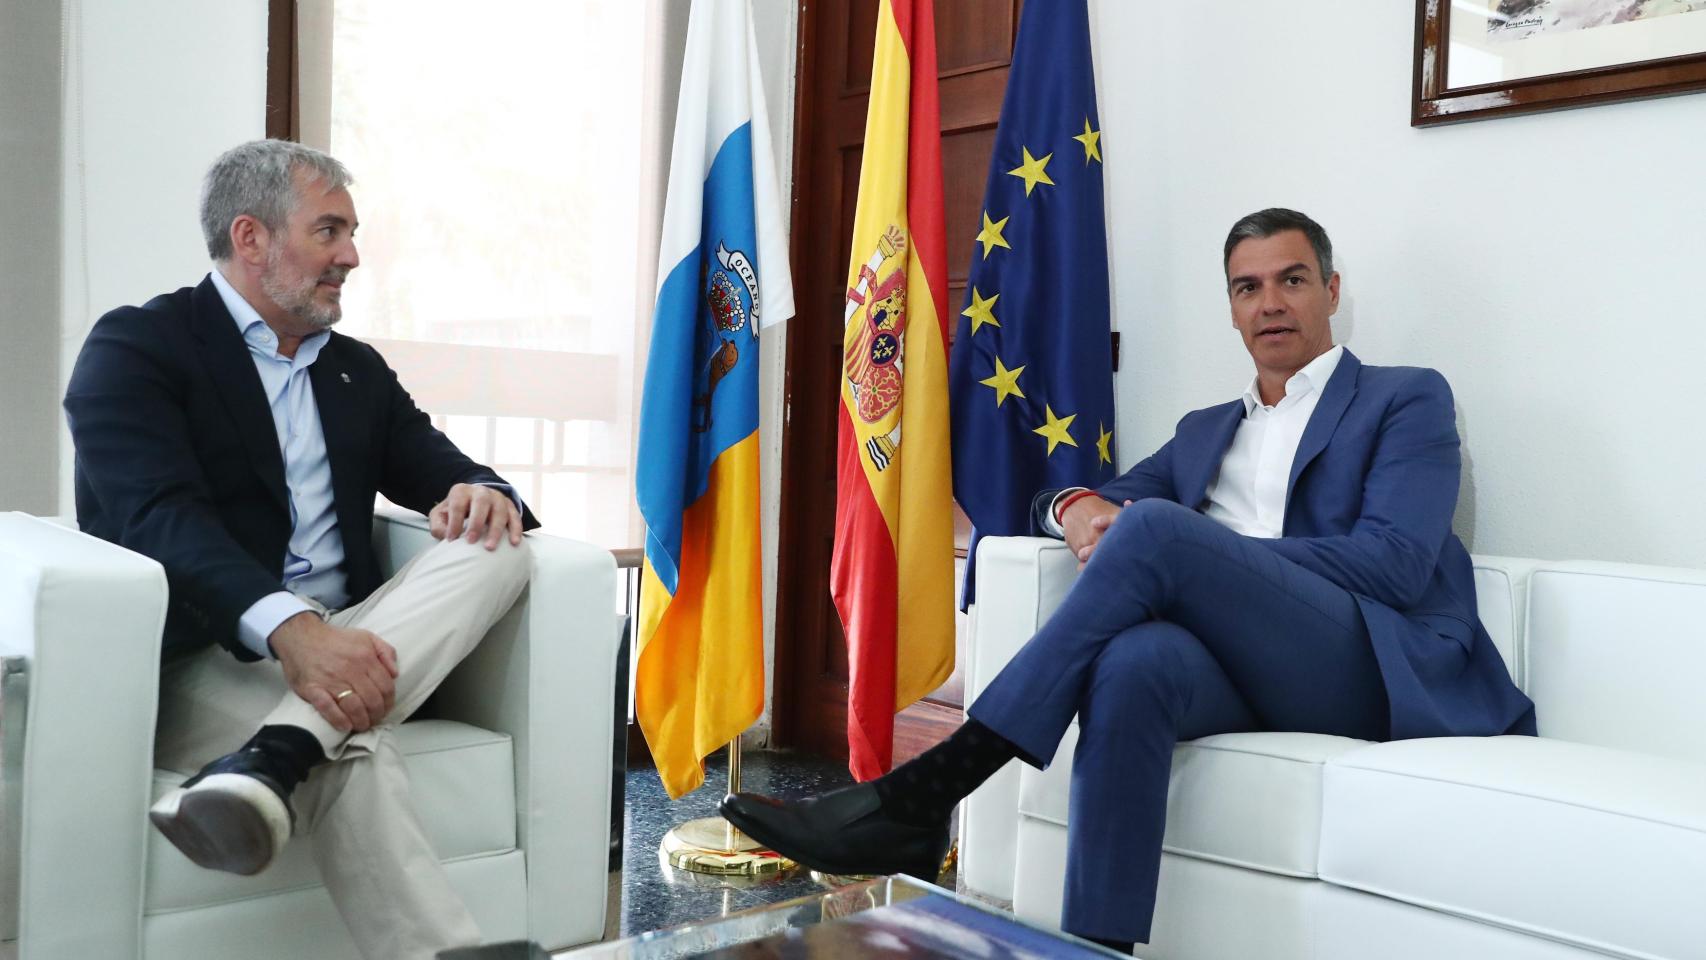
(874, 342)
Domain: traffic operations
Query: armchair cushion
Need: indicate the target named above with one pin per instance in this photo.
(1615, 656)
(1246, 799)
(1595, 847)
(462, 779)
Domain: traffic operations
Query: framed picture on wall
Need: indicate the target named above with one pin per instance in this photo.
(1488, 58)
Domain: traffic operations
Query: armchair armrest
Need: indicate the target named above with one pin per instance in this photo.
(1020, 581)
(546, 675)
(82, 619)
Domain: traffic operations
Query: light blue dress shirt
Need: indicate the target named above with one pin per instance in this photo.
(314, 559)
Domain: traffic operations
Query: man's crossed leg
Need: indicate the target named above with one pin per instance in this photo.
(355, 811)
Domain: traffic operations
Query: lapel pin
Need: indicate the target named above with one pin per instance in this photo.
(345, 376)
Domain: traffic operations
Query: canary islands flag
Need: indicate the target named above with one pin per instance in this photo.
(1032, 378)
(892, 573)
(723, 276)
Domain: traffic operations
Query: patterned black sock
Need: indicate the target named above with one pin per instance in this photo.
(924, 791)
(293, 751)
(1117, 946)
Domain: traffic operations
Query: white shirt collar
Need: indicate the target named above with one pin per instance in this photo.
(1313, 376)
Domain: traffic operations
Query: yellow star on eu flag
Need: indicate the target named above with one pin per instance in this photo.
(990, 235)
(1102, 454)
(981, 311)
(1089, 138)
(1033, 171)
(1005, 382)
(1055, 429)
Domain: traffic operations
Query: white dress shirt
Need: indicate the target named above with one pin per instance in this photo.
(1247, 494)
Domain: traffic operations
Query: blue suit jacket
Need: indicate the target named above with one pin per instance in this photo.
(1369, 506)
(178, 457)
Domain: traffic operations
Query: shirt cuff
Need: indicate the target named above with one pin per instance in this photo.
(506, 488)
(1050, 521)
(263, 617)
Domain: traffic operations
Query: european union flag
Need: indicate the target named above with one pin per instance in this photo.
(1031, 378)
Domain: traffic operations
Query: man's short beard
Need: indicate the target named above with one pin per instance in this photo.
(298, 301)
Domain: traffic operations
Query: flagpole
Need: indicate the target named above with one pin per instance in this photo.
(713, 845)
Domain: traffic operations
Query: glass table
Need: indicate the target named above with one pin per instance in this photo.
(888, 916)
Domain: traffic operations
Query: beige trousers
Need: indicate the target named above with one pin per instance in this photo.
(356, 812)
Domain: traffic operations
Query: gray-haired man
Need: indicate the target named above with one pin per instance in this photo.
(225, 431)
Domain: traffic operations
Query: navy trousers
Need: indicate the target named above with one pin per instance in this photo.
(1176, 629)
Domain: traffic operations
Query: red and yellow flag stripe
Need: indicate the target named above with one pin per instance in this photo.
(892, 572)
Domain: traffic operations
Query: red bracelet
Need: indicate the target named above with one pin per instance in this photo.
(1060, 514)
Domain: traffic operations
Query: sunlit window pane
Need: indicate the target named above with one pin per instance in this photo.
(495, 149)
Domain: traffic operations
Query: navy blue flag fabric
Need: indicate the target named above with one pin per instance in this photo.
(1030, 374)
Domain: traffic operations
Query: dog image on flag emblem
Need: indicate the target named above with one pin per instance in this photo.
(731, 309)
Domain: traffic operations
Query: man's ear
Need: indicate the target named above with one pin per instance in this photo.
(1333, 292)
(249, 240)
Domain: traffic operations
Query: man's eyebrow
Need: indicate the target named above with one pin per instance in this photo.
(332, 219)
(1298, 267)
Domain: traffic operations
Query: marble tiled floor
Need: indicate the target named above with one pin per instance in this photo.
(653, 895)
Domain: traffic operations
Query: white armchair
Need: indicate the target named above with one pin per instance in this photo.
(1586, 842)
(511, 763)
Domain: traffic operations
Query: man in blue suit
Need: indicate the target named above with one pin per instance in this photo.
(1285, 562)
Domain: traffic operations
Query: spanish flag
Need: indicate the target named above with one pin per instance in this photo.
(893, 569)
(723, 276)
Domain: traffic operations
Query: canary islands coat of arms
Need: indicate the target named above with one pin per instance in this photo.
(731, 316)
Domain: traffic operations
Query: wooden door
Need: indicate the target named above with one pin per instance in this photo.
(974, 45)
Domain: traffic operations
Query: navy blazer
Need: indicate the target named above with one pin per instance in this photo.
(178, 457)
(1368, 506)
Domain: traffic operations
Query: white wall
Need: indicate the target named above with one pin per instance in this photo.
(1548, 265)
(154, 92)
(29, 255)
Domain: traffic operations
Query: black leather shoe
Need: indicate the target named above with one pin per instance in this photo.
(843, 831)
(233, 816)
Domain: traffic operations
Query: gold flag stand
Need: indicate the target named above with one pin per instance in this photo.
(713, 845)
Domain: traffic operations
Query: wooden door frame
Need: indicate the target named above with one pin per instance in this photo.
(283, 115)
(796, 519)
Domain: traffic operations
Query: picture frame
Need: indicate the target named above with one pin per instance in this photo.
(1477, 59)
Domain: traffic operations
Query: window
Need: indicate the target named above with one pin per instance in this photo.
(501, 179)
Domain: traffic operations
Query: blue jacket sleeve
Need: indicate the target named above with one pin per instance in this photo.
(1151, 478)
(1409, 495)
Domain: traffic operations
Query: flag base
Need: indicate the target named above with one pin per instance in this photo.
(712, 845)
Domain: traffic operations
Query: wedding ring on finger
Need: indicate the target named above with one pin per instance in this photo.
(339, 698)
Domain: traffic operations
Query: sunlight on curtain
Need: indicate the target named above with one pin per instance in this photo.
(497, 151)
